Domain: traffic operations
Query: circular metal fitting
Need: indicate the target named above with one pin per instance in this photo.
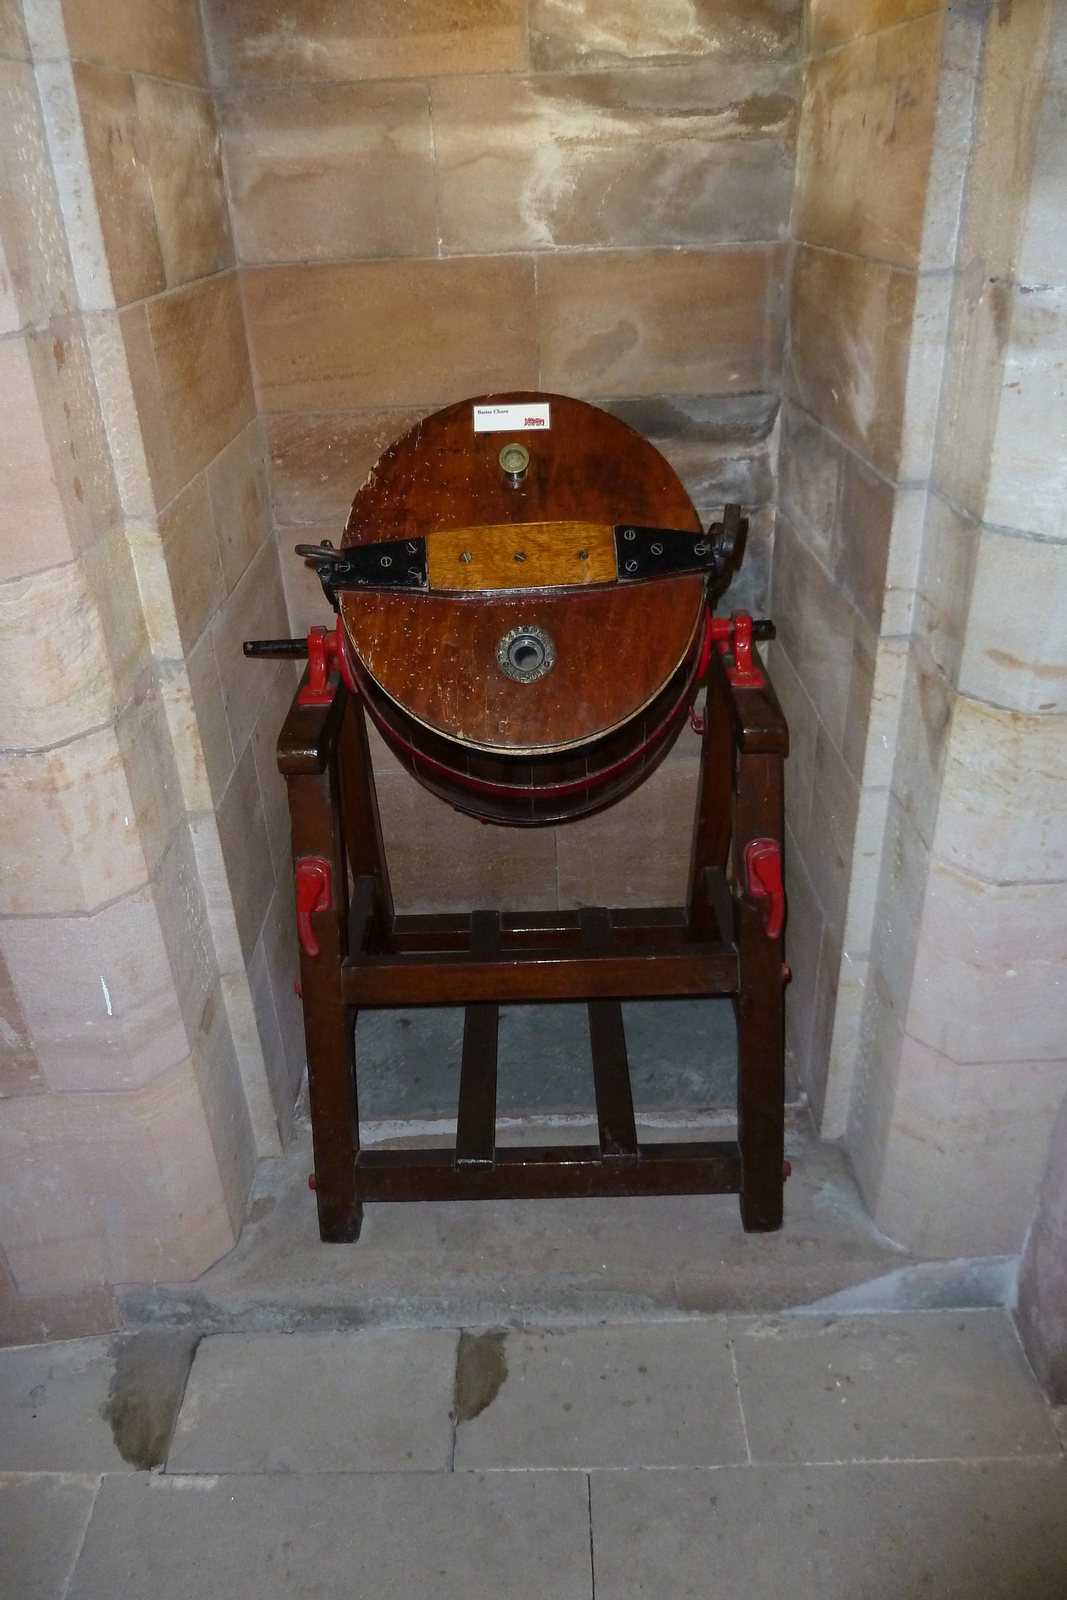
(526, 654)
(514, 459)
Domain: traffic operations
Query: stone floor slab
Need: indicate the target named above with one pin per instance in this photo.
(53, 1401)
(638, 1394)
(954, 1530)
(379, 1400)
(433, 1536)
(43, 1517)
(910, 1386)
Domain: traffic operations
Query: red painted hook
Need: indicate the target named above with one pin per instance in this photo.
(314, 892)
(763, 871)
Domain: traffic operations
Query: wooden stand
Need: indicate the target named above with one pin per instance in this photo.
(356, 952)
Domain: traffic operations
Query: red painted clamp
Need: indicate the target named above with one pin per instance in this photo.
(314, 892)
(763, 873)
(325, 650)
(744, 674)
(322, 648)
(733, 635)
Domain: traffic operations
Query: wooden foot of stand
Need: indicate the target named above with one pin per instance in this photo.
(727, 940)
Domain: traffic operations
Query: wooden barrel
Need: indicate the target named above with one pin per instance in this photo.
(548, 690)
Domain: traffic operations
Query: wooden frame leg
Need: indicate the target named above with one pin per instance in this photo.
(711, 826)
(329, 1024)
(354, 952)
(759, 1006)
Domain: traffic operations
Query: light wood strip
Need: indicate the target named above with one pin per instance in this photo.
(521, 555)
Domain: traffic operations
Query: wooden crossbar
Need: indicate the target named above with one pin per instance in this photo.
(522, 1173)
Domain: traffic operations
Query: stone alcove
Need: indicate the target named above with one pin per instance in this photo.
(815, 253)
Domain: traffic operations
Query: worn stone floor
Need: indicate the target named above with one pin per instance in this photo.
(871, 1456)
(597, 1399)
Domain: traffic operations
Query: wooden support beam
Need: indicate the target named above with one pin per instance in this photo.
(523, 1173)
(449, 978)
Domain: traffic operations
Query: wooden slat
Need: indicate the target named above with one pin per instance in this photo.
(521, 930)
(534, 1173)
(446, 979)
(476, 1124)
(760, 1016)
(607, 1041)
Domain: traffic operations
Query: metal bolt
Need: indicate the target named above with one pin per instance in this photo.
(583, 555)
(466, 556)
(520, 555)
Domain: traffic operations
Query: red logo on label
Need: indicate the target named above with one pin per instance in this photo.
(533, 422)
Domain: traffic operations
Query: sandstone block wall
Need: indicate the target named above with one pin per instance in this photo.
(877, 204)
(138, 1085)
(919, 528)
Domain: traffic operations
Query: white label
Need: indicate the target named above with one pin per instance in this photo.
(511, 419)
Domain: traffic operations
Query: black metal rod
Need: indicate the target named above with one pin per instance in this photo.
(282, 649)
(278, 648)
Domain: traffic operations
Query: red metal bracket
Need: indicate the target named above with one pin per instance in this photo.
(763, 874)
(744, 673)
(322, 646)
(733, 635)
(314, 892)
(325, 651)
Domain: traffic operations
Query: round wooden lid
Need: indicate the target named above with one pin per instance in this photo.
(616, 645)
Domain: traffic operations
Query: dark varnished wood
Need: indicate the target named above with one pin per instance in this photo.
(476, 1118)
(759, 1004)
(308, 740)
(445, 978)
(715, 944)
(427, 663)
(529, 790)
(434, 656)
(588, 466)
(713, 820)
(607, 1042)
(570, 1171)
(329, 1021)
